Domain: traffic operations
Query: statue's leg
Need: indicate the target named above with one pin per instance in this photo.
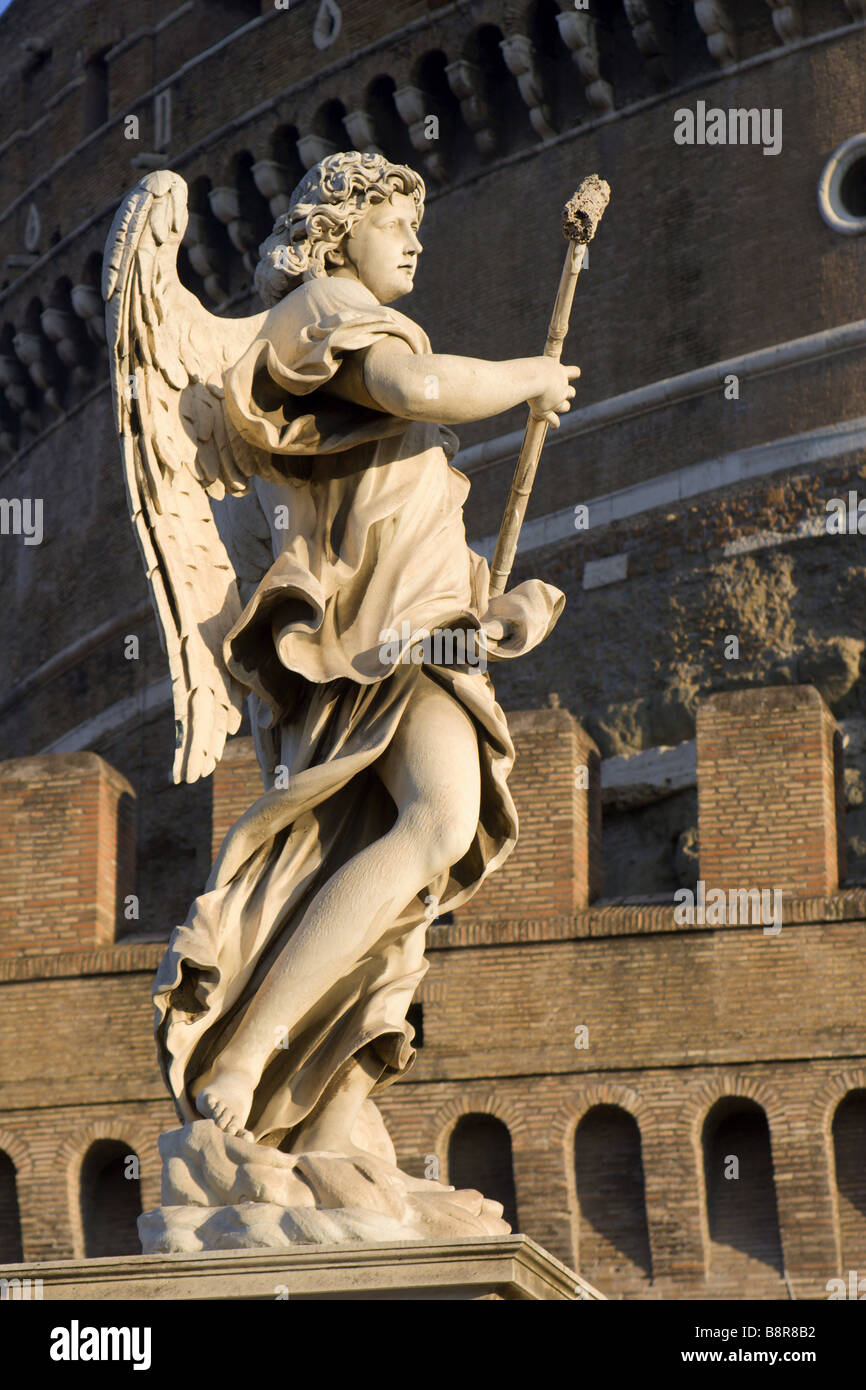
(329, 1126)
(431, 770)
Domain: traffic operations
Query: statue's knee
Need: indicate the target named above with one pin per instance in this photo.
(443, 840)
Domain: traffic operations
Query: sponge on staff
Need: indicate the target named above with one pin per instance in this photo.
(583, 211)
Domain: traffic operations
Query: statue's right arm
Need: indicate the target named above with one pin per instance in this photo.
(451, 390)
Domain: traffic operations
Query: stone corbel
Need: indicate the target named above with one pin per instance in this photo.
(716, 23)
(520, 59)
(414, 107)
(13, 382)
(148, 159)
(88, 305)
(579, 34)
(65, 331)
(205, 258)
(361, 131)
(787, 19)
(313, 148)
(466, 81)
(32, 350)
(650, 24)
(273, 181)
(225, 204)
(36, 51)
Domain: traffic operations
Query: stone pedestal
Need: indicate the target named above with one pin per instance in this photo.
(496, 1267)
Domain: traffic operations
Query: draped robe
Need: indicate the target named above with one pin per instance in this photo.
(363, 522)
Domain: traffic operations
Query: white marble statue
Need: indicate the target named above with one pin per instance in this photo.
(340, 546)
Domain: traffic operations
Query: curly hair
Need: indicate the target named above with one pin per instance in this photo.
(329, 200)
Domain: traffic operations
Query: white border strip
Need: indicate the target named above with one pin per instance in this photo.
(673, 389)
(828, 441)
(110, 720)
(669, 488)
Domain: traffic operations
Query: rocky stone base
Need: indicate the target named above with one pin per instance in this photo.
(220, 1192)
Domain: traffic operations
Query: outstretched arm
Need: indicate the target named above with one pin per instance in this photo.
(452, 390)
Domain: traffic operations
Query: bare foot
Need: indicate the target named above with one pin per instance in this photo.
(226, 1100)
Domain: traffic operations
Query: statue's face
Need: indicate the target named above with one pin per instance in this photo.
(382, 249)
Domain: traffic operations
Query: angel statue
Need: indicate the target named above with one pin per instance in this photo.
(319, 427)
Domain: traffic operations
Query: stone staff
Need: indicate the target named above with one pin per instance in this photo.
(580, 218)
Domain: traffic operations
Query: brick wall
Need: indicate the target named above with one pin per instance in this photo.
(670, 1106)
(236, 784)
(555, 782)
(67, 847)
(676, 1020)
(509, 1052)
(767, 791)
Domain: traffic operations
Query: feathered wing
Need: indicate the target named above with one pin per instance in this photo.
(168, 355)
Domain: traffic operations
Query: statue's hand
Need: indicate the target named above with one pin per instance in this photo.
(498, 630)
(556, 394)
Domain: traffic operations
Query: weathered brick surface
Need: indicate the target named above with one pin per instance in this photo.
(538, 1022)
(499, 1038)
(555, 782)
(67, 847)
(49, 1146)
(670, 1106)
(767, 791)
(236, 783)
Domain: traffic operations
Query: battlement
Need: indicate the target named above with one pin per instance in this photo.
(556, 785)
(555, 782)
(563, 1042)
(67, 853)
(770, 791)
(771, 817)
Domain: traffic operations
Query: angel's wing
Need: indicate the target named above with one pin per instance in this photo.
(168, 355)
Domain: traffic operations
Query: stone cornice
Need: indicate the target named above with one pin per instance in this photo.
(142, 956)
(125, 958)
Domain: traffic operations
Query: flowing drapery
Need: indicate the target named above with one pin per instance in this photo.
(367, 541)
